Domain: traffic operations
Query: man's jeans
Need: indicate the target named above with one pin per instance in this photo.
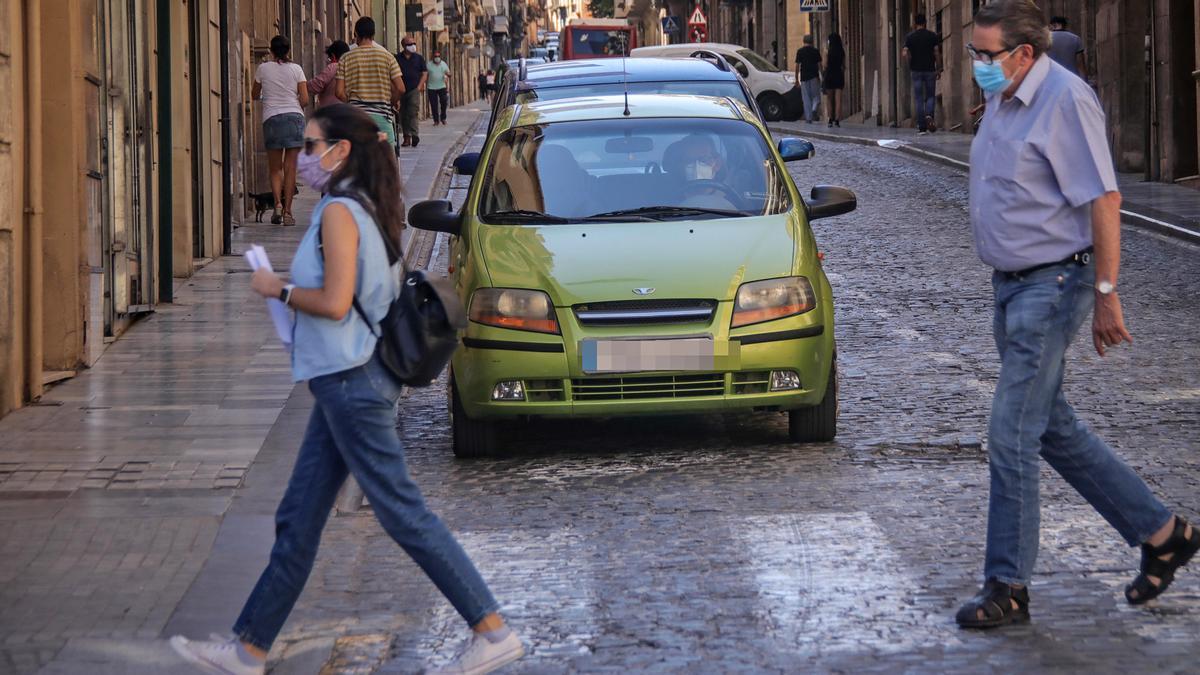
(438, 102)
(353, 429)
(1036, 318)
(810, 91)
(410, 113)
(924, 90)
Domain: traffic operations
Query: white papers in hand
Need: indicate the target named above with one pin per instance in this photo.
(280, 316)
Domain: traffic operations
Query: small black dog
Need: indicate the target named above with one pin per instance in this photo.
(265, 201)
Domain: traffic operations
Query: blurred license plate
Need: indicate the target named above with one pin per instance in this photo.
(629, 356)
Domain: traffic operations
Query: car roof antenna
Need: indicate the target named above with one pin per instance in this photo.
(625, 77)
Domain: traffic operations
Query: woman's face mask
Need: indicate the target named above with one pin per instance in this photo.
(310, 170)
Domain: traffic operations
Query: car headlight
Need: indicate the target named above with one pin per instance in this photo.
(514, 308)
(772, 299)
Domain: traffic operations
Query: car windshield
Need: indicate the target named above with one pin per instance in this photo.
(718, 88)
(599, 42)
(632, 170)
(757, 61)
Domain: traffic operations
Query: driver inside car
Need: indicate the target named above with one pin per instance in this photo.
(695, 159)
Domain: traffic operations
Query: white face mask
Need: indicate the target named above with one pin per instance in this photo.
(699, 170)
(411, 49)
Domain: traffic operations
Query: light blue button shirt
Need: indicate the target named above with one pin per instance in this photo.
(1037, 163)
(322, 346)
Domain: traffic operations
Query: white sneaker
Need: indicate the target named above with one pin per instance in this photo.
(219, 656)
(481, 656)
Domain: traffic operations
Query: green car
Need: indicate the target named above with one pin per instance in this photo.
(636, 255)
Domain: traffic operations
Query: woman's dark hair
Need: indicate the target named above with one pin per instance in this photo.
(336, 49)
(369, 172)
(280, 47)
(836, 49)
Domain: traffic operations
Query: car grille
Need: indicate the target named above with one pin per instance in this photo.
(757, 382)
(640, 312)
(545, 390)
(642, 387)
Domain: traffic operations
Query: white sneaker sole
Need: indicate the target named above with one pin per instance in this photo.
(180, 645)
(499, 661)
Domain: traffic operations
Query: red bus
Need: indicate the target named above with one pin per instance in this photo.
(597, 39)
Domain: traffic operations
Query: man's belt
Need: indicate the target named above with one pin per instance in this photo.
(1082, 258)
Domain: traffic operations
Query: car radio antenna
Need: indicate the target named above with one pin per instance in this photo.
(625, 77)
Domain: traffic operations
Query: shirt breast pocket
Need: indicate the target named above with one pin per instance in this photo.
(1009, 160)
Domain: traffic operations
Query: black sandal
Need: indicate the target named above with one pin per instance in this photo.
(995, 601)
(1180, 547)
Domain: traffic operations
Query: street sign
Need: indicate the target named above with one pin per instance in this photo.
(697, 18)
(670, 24)
(814, 5)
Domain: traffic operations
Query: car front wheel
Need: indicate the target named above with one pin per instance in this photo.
(817, 424)
(771, 105)
(470, 438)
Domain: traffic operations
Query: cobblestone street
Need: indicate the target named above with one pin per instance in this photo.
(667, 544)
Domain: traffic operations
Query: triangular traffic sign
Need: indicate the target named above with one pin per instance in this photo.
(697, 17)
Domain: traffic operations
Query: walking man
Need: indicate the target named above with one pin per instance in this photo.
(412, 65)
(808, 74)
(922, 49)
(1045, 214)
(369, 78)
(439, 88)
(1066, 48)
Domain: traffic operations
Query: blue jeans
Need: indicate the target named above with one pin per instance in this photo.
(353, 430)
(1036, 318)
(924, 91)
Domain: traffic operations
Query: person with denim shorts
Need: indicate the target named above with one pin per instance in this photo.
(344, 278)
(283, 89)
(1045, 212)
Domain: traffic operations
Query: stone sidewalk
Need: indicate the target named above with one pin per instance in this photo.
(1170, 209)
(131, 492)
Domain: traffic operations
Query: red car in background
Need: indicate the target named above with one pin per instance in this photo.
(597, 39)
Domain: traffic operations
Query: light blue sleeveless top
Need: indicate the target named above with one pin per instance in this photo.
(322, 346)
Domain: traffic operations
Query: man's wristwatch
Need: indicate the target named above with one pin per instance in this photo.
(1105, 287)
(285, 295)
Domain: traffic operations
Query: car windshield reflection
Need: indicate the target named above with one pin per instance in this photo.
(632, 170)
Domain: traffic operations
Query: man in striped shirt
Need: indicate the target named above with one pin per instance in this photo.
(370, 78)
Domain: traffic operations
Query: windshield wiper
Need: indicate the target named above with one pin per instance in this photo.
(527, 216)
(661, 212)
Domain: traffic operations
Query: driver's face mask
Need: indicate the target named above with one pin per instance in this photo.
(700, 169)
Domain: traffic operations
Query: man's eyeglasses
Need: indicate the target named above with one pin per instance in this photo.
(986, 56)
(310, 143)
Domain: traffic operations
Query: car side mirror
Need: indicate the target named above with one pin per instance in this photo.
(830, 200)
(436, 215)
(792, 149)
(466, 163)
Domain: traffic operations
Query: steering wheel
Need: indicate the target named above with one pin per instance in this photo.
(701, 183)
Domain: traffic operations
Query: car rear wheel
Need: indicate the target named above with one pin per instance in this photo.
(771, 105)
(819, 423)
(470, 438)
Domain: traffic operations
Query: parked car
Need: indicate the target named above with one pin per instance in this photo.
(769, 84)
(591, 77)
(597, 39)
(647, 254)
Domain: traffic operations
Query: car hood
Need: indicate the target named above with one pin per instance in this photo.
(605, 261)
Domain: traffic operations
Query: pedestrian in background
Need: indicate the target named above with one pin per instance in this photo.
(1045, 212)
(1066, 48)
(369, 78)
(923, 50)
(481, 80)
(343, 283)
(490, 79)
(322, 87)
(412, 66)
(835, 78)
(439, 88)
(283, 89)
(808, 77)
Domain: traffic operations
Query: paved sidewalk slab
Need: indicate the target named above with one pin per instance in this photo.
(1170, 209)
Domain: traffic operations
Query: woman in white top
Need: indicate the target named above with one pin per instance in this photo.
(283, 89)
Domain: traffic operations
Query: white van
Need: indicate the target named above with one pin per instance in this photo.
(768, 83)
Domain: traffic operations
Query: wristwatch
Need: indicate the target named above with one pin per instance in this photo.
(1105, 287)
(285, 295)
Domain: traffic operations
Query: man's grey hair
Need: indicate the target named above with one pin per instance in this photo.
(808, 39)
(1020, 21)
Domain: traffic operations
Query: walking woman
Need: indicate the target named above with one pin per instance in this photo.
(284, 92)
(835, 77)
(343, 256)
